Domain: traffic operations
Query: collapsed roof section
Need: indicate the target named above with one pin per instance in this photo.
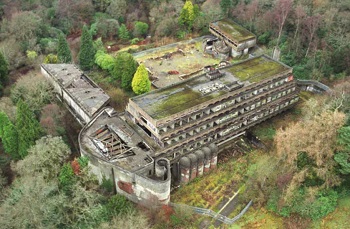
(111, 139)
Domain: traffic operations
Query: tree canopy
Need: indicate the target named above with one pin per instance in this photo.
(28, 128)
(141, 83)
(64, 54)
(124, 69)
(3, 70)
(87, 50)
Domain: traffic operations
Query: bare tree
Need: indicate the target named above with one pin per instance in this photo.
(311, 24)
(280, 14)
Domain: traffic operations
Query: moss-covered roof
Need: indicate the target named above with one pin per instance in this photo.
(233, 30)
(257, 69)
(173, 99)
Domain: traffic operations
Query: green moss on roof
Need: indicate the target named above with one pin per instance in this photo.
(257, 69)
(178, 102)
(235, 31)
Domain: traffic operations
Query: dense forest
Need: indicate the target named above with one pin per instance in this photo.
(45, 184)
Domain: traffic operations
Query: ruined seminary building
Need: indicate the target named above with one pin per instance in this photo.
(173, 134)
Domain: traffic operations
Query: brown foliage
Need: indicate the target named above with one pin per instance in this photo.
(316, 136)
(52, 119)
(75, 166)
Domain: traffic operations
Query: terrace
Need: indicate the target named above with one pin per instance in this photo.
(187, 94)
(173, 63)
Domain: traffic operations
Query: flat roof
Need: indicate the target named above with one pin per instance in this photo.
(232, 30)
(132, 155)
(175, 62)
(84, 91)
(173, 99)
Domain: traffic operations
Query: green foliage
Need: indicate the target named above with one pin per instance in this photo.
(64, 54)
(10, 141)
(107, 185)
(87, 51)
(324, 203)
(264, 38)
(83, 162)
(3, 70)
(342, 157)
(46, 158)
(140, 29)
(98, 45)
(123, 33)
(225, 6)
(28, 128)
(4, 121)
(31, 55)
(104, 60)
(34, 90)
(124, 69)
(141, 83)
(134, 41)
(118, 205)
(187, 15)
(66, 177)
(51, 59)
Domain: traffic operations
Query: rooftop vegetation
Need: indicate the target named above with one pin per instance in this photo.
(235, 31)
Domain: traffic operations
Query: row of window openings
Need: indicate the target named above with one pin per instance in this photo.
(225, 132)
(226, 118)
(223, 35)
(222, 106)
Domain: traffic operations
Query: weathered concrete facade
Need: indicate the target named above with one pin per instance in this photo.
(233, 35)
(82, 96)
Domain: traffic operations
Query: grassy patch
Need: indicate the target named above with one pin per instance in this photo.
(256, 69)
(338, 219)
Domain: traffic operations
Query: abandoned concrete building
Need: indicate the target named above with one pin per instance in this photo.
(81, 95)
(231, 37)
(171, 135)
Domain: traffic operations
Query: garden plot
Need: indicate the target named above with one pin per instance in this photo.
(175, 62)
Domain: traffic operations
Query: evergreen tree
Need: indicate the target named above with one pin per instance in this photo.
(28, 128)
(64, 55)
(4, 120)
(3, 70)
(187, 14)
(87, 50)
(141, 83)
(225, 6)
(124, 69)
(10, 140)
(123, 33)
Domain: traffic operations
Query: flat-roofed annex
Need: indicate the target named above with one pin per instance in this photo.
(173, 99)
(232, 30)
(88, 95)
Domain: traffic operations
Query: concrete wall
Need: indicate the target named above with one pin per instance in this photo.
(67, 98)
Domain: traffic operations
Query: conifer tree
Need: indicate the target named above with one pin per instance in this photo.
(225, 6)
(141, 83)
(4, 120)
(87, 50)
(28, 128)
(187, 14)
(3, 70)
(124, 69)
(123, 33)
(64, 54)
(10, 140)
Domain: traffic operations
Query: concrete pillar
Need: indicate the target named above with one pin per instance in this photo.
(207, 157)
(194, 164)
(214, 157)
(185, 165)
(200, 167)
